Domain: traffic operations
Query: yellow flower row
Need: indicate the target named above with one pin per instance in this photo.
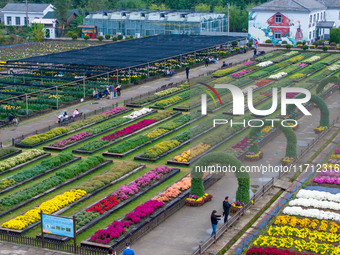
(288, 242)
(47, 207)
(321, 128)
(198, 199)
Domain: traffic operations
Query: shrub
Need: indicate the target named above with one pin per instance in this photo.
(284, 42)
(74, 36)
(335, 35)
(115, 39)
(120, 37)
(305, 47)
(100, 38)
(333, 44)
(107, 37)
(86, 37)
(234, 43)
(250, 44)
(325, 48)
(268, 41)
(298, 43)
(288, 46)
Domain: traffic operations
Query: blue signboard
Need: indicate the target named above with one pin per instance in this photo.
(57, 225)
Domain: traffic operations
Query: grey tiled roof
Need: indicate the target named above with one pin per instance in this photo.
(290, 5)
(325, 24)
(21, 7)
(331, 3)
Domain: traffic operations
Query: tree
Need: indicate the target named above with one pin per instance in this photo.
(202, 7)
(86, 37)
(61, 9)
(133, 4)
(158, 7)
(93, 5)
(335, 35)
(38, 31)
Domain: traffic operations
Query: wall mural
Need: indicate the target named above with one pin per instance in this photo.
(289, 29)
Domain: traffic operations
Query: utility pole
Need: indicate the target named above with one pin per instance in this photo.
(228, 16)
(26, 13)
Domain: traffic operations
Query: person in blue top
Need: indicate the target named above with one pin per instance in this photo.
(128, 250)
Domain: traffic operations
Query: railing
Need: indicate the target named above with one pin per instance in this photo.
(24, 240)
(205, 246)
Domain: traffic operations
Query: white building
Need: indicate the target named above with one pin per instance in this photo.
(15, 13)
(293, 20)
(50, 26)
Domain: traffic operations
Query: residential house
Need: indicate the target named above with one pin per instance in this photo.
(15, 13)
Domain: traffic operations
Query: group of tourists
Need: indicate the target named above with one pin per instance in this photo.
(110, 92)
(64, 116)
(215, 218)
(127, 250)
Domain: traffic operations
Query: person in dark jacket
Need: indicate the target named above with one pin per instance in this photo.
(226, 208)
(207, 62)
(214, 219)
(187, 69)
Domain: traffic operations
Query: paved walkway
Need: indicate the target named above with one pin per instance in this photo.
(190, 226)
(15, 249)
(49, 119)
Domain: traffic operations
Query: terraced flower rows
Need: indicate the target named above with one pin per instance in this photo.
(102, 188)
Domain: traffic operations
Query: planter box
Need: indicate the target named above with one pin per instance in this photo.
(120, 155)
(18, 206)
(151, 221)
(253, 159)
(124, 137)
(10, 154)
(25, 164)
(39, 175)
(19, 145)
(117, 207)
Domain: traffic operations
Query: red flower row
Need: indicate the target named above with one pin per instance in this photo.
(103, 205)
(271, 251)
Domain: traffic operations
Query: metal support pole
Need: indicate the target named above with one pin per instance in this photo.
(117, 77)
(129, 75)
(148, 70)
(57, 97)
(84, 88)
(26, 105)
(108, 79)
(181, 60)
(195, 57)
(228, 17)
(164, 66)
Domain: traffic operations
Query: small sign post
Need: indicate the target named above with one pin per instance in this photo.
(56, 225)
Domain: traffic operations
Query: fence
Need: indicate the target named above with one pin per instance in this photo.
(23, 240)
(205, 246)
(43, 130)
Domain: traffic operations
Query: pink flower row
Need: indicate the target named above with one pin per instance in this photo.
(71, 139)
(240, 73)
(329, 180)
(155, 174)
(118, 228)
(337, 151)
(128, 130)
(247, 63)
(113, 111)
(301, 64)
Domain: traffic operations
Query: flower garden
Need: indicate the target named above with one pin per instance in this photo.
(116, 170)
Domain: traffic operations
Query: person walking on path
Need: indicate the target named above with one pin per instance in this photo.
(118, 89)
(206, 62)
(112, 89)
(111, 251)
(128, 250)
(214, 219)
(115, 92)
(255, 51)
(226, 208)
(187, 69)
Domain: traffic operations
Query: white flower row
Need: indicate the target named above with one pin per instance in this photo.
(278, 75)
(312, 59)
(138, 113)
(290, 53)
(310, 202)
(334, 67)
(319, 195)
(252, 87)
(265, 63)
(312, 213)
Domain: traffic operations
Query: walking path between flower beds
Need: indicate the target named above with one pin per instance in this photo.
(190, 226)
(15, 249)
(46, 120)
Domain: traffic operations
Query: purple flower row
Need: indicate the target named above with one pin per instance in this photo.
(330, 180)
(247, 63)
(113, 111)
(127, 190)
(71, 139)
(337, 151)
(240, 73)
